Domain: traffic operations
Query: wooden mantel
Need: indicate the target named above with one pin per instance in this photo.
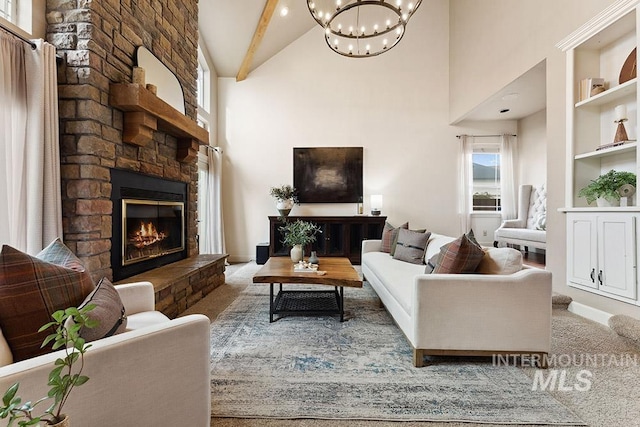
(145, 113)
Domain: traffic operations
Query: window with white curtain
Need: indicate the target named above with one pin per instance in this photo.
(486, 176)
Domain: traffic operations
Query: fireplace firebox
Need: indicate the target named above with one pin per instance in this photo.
(149, 227)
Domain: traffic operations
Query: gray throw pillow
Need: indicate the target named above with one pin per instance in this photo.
(411, 246)
(431, 264)
(109, 312)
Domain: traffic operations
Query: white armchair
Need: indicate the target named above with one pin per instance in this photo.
(136, 377)
(529, 229)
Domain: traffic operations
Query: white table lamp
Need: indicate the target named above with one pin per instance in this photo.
(376, 204)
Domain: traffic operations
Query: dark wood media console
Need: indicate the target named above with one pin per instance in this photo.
(341, 236)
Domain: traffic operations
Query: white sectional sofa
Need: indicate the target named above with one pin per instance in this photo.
(136, 377)
(462, 314)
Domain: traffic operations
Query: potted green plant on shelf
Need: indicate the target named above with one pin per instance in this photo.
(296, 235)
(63, 378)
(606, 189)
(285, 196)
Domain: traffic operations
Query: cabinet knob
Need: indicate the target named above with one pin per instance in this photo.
(592, 275)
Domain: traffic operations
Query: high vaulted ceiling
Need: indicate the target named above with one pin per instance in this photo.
(227, 28)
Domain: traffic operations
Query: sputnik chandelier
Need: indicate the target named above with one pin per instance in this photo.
(362, 28)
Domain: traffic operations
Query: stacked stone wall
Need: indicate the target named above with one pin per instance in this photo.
(98, 40)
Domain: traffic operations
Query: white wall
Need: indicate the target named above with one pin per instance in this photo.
(502, 49)
(532, 149)
(394, 105)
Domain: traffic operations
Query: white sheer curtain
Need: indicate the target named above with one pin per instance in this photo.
(212, 238)
(508, 185)
(31, 215)
(466, 182)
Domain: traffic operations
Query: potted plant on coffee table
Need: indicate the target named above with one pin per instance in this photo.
(296, 235)
(605, 189)
(285, 196)
(63, 378)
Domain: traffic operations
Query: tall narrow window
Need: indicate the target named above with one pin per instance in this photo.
(8, 10)
(486, 177)
(200, 85)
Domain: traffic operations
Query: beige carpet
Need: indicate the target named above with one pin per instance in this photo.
(613, 399)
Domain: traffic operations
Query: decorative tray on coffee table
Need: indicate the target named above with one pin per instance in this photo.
(305, 267)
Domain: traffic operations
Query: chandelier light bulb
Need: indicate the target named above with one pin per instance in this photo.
(362, 30)
(320, 14)
(350, 49)
(384, 43)
(375, 29)
(410, 6)
(350, 31)
(388, 23)
(340, 28)
(312, 6)
(327, 16)
(368, 49)
(399, 3)
(405, 17)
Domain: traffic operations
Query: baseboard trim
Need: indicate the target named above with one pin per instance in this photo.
(590, 313)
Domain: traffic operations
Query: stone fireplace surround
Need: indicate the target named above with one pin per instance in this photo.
(98, 40)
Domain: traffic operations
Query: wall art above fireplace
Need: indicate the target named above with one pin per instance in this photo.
(149, 227)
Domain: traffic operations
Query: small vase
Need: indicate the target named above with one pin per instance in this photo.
(284, 207)
(606, 203)
(313, 258)
(64, 423)
(296, 253)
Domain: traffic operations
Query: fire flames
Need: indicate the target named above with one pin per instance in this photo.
(147, 235)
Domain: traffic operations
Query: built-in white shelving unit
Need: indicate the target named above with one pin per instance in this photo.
(602, 256)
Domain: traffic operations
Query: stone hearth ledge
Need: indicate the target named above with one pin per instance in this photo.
(181, 284)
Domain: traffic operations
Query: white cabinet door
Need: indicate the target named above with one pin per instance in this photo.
(617, 255)
(582, 250)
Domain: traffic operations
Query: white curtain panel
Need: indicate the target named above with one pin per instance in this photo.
(30, 184)
(466, 182)
(212, 240)
(508, 185)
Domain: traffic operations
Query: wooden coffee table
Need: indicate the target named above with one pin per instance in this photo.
(338, 273)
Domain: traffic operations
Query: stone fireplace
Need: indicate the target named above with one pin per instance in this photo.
(148, 222)
(98, 42)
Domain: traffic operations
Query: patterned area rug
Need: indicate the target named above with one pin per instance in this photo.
(317, 367)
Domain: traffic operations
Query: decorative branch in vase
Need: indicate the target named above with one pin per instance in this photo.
(296, 235)
(285, 196)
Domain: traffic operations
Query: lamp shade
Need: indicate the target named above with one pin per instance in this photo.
(621, 112)
(376, 204)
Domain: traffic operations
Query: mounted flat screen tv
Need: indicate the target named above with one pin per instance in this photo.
(328, 174)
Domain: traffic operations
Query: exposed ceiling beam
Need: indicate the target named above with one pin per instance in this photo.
(265, 18)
